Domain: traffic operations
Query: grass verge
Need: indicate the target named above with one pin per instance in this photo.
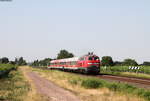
(13, 87)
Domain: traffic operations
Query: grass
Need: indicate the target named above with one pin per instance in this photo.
(94, 89)
(13, 87)
(91, 83)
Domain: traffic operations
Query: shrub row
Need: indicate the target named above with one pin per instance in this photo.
(119, 87)
(14, 87)
(6, 68)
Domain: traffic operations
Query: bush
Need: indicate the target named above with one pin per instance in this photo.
(113, 86)
(91, 83)
(147, 95)
(73, 81)
(5, 69)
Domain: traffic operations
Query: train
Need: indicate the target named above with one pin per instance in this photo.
(89, 63)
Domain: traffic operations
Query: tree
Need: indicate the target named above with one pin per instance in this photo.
(107, 61)
(35, 63)
(130, 62)
(118, 63)
(43, 62)
(64, 54)
(20, 61)
(12, 62)
(4, 60)
(146, 63)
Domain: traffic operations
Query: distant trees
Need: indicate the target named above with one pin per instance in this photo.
(130, 62)
(35, 63)
(64, 54)
(107, 61)
(20, 61)
(43, 62)
(118, 63)
(146, 63)
(4, 60)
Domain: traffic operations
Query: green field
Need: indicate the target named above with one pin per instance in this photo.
(143, 71)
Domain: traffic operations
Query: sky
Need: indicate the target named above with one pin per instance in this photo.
(36, 29)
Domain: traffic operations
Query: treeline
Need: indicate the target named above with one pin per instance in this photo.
(61, 55)
(108, 61)
(105, 60)
(18, 61)
(44, 62)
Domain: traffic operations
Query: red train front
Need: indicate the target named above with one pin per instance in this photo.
(87, 64)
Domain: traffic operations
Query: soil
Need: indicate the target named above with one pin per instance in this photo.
(51, 91)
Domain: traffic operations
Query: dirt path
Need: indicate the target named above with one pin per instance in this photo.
(51, 91)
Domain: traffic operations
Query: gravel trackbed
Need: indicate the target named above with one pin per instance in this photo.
(50, 90)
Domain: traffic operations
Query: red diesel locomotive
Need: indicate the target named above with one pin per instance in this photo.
(86, 64)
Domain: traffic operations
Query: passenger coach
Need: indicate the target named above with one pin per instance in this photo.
(86, 64)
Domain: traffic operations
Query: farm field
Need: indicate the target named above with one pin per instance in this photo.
(142, 72)
(93, 89)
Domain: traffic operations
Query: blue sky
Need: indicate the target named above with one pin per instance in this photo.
(36, 29)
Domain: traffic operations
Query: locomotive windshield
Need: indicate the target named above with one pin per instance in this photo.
(90, 58)
(93, 58)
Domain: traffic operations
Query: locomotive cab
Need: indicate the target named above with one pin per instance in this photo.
(90, 63)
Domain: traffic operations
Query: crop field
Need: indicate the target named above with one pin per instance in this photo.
(143, 71)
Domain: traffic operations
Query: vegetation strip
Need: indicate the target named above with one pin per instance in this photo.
(13, 87)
